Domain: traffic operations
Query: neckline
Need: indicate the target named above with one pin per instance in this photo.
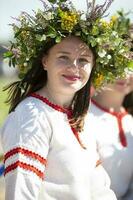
(52, 105)
(68, 112)
(119, 116)
(114, 113)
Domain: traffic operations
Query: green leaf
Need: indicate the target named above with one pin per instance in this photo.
(58, 39)
(130, 64)
(55, 1)
(52, 1)
(10, 63)
(21, 75)
(17, 33)
(51, 35)
(8, 54)
(13, 62)
(41, 37)
(93, 42)
(63, 1)
(78, 33)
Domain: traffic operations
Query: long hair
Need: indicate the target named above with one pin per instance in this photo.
(36, 78)
(128, 103)
(33, 80)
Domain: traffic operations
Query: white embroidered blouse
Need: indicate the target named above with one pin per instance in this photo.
(114, 136)
(44, 159)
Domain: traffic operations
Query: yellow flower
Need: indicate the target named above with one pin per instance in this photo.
(68, 19)
(111, 23)
(114, 18)
(99, 80)
(95, 30)
(104, 23)
(25, 34)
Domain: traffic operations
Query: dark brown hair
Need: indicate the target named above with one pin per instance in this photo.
(128, 102)
(36, 78)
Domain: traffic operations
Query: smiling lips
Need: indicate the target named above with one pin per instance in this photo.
(122, 83)
(71, 78)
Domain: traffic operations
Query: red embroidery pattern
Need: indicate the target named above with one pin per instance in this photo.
(45, 100)
(99, 162)
(119, 117)
(26, 153)
(24, 166)
(60, 109)
(121, 131)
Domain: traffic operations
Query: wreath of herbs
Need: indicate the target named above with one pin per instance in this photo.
(59, 19)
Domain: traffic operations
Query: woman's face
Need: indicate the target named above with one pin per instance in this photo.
(68, 65)
(123, 86)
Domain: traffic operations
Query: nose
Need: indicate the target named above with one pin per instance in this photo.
(74, 64)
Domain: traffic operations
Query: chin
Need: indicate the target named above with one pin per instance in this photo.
(74, 87)
(123, 90)
(71, 89)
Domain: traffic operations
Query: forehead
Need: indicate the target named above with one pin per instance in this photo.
(72, 45)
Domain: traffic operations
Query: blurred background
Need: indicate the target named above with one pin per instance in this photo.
(13, 8)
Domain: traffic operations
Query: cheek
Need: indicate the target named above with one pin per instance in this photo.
(88, 68)
(63, 63)
(131, 83)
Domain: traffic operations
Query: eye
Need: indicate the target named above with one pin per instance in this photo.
(83, 60)
(63, 57)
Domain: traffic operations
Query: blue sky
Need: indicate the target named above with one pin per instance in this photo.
(13, 8)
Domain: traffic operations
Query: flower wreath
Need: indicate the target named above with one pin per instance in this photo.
(122, 24)
(59, 19)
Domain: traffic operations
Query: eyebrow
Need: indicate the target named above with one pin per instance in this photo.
(86, 55)
(65, 52)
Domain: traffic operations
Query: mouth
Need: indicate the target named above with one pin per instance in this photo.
(72, 77)
(122, 83)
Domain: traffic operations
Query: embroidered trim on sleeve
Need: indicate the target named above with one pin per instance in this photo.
(25, 159)
(24, 166)
(26, 152)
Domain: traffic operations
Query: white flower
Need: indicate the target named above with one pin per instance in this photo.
(131, 35)
(109, 57)
(25, 64)
(101, 61)
(98, 40)
(121, 51)
(114, 33)
(43, 37)
(48, 16)
(102, 53)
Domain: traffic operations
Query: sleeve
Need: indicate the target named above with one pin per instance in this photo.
(26, 137)
(100, 185)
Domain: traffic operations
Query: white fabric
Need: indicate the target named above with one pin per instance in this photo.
(117, 160)
(44, 131)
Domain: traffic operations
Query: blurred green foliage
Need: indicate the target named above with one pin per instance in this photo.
(3, 95)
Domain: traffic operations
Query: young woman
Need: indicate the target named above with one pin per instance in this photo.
(49, 151)
(113, 127)
(41, 142)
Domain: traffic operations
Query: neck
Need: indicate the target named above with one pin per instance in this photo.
(109, 100)
(56, 97)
